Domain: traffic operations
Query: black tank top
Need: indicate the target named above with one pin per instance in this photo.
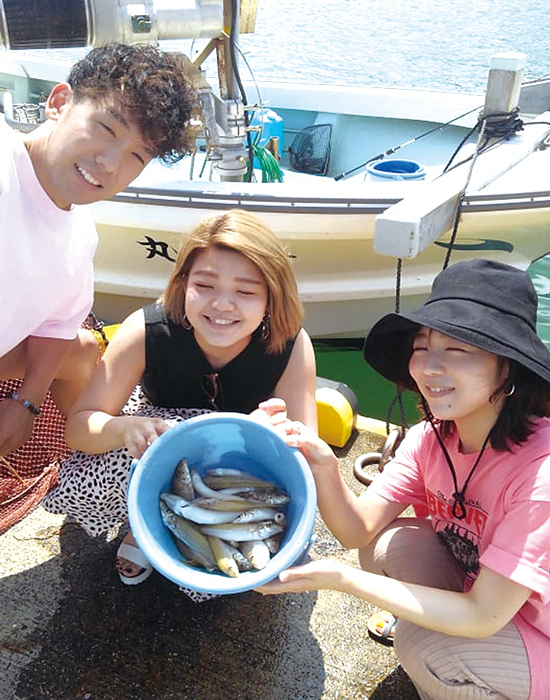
(178, 375)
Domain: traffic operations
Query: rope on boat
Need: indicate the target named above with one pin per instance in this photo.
(502, 124)
(498, 125)
(398, 398)
(462, 195)
(367, 465)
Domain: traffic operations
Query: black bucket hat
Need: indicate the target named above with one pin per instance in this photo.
(484, 303)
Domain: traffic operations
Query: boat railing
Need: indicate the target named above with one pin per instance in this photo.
(373, 204)
(254, 199)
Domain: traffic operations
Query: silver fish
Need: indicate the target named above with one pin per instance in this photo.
(235, 504)
(187, 553)
(257, 553)
(234, 490)
(243, 532)
(174, 502)
(224, 471)
(268, 498)
(273, 543)
(268, 494)
(190, 536)
(254, 515)
(191, 511)
(242, 562)
(181, 481)
(204, 490)
(243, 480)
(224, 557)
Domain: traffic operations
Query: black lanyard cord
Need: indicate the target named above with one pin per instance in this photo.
(459, 509)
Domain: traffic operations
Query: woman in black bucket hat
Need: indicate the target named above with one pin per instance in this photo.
(489, 305)
(468, 579)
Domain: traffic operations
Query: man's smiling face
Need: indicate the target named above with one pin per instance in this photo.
(91, 152)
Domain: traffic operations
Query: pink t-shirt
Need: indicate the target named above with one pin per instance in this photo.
(507, 523)
(46, 258)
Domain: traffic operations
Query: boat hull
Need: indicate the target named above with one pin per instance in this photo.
(344, 284)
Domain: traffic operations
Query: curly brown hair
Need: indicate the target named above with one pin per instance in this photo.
(153, 88)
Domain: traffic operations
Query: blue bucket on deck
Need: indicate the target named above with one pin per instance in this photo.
(394, 169)
(220, 440)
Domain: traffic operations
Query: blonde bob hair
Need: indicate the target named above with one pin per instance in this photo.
(244, 233)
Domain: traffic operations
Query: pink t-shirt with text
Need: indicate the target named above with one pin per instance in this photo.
(507, 523)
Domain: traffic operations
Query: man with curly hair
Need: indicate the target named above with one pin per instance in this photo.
(121, 107)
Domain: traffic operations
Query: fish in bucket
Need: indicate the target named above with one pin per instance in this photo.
(211, 442)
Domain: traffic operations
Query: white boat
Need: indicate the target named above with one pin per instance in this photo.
(328, 220)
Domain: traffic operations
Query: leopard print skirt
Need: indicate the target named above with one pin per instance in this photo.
(92, 487)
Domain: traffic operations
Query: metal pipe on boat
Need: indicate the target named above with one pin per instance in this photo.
(224, 116)
(225, 125)
(47, 24)
(231, 136)
(231, 38)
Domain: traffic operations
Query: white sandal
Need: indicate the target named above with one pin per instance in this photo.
(135, 555)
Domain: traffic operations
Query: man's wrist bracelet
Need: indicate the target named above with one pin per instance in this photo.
(26, 403)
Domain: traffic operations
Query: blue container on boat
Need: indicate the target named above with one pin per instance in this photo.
(220, 440)
(395, 169)
(272, 125)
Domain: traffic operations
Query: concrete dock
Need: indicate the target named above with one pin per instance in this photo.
(70, 630)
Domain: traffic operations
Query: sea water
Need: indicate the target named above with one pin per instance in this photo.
(429, 44)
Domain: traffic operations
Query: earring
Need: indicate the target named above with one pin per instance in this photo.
(186, 325)
(265, 330)
(510, 390)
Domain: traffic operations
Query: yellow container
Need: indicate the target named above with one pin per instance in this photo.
(336, 411)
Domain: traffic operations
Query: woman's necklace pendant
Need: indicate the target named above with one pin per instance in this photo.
(459, 509)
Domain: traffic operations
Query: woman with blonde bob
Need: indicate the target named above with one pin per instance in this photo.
(244, 233)
(225, 336)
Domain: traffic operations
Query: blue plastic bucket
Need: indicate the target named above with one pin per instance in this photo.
(394, 169)
(220, 440)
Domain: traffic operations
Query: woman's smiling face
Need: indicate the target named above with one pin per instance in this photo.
(456, 379)
(225, 301)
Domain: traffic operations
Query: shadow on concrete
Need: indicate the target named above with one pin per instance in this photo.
(396, 686)
(72, 631)
(113, 642)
